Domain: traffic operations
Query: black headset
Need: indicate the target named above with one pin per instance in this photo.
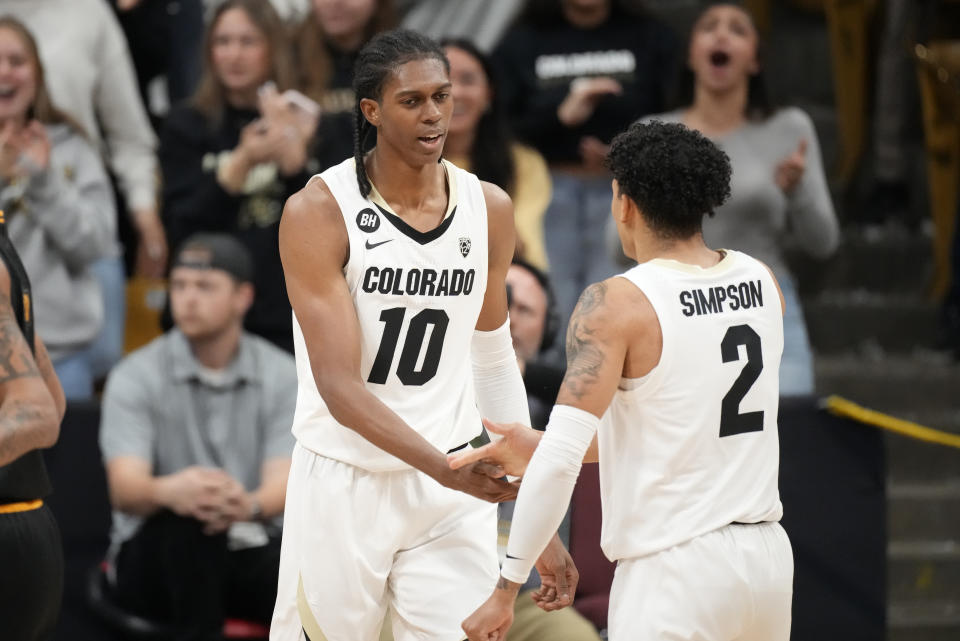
(551, 324)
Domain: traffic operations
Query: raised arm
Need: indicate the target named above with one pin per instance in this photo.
(596, 356)
(29, 415)
(597, 342)
(314, 248)
(810, 207)
(596, 349)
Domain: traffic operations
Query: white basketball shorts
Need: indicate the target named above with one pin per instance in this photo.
(357, 544)
(732, 584)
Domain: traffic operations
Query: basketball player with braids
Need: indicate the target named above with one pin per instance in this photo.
(31, 408)
(395, 263)
(680, 357)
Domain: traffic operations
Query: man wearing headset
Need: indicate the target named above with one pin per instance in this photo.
(534, 324)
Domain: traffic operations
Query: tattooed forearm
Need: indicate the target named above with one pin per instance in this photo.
(584, 356)
(25, 426)
(28, 418)
(16, 360)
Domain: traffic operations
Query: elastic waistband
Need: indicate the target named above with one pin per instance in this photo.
(22, 506)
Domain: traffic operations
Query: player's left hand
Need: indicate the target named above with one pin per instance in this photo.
(558, 577)
(491, 620)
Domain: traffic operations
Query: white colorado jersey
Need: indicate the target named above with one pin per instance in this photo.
(417, 296)
(693, 446)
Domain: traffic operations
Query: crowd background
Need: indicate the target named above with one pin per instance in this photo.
(187, 103)
(128, 126)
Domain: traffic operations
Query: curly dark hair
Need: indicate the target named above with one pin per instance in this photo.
(673, 174)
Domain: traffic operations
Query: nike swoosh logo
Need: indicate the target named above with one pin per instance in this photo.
(382, 242)
(515, 558)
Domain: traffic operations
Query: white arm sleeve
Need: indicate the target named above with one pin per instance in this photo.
(547, 487)
(501, 396)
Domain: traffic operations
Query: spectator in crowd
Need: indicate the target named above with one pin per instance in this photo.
(58, 199)
(230, 158)
(196, 437)
(778, 185)
(574, 73)
(91, 78)
(326, 44)
(165, 39)
(478, 141)
(288, 10)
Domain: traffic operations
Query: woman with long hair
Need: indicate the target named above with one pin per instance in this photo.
(325, 48)
(59, 205)
(230, 157)
(478, 141)
(778, 187)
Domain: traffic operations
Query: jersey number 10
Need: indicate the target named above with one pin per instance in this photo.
(407, 370)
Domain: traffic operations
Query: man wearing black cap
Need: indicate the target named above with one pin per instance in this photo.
(196, 437)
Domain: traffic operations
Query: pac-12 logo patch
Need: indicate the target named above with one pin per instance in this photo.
(368, 220)
(464, 246)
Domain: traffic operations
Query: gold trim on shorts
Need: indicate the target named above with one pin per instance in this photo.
(307, 620)
(23, 506)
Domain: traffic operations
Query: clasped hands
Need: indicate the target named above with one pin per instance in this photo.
(209, 495)
(559, 576)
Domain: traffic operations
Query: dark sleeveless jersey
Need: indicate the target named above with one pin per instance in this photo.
(25, 479)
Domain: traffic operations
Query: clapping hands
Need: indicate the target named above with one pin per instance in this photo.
(281, 134)
(24, 151)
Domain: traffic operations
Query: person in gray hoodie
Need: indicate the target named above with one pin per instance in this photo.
(61, 212)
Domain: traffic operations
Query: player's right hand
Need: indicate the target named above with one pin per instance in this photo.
(475, 480)
(491, 620)
(511, 452)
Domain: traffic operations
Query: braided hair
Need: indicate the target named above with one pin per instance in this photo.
(377, 60)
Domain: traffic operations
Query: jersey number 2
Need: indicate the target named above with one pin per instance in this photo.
(407, 370)
(731, 420)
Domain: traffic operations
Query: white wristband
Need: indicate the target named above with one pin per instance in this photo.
(501, 396)
(547, 487)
